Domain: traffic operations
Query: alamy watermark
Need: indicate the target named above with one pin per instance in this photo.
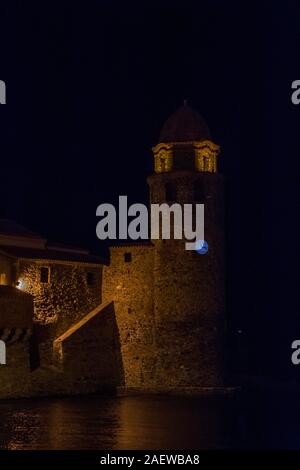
(295, 357)
(2, 352)
(166, 221)
(2, 92)
(295, 96)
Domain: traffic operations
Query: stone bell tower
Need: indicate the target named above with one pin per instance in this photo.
(189, 297)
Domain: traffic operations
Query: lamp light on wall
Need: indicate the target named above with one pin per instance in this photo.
(20, 284)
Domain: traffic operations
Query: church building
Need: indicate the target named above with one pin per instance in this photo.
(152, 318)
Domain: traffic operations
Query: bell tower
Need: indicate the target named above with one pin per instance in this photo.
(189, 292)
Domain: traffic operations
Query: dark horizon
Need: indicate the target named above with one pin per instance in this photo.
(88, 90)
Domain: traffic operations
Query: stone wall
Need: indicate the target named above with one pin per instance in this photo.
(130, 285)
(85, 359)
(15, 374)
(66, 298)
(7, 268)
(189, 297)
(31, 368)
(88, 354)
(16, 308)
(170, 302)
(189, 318)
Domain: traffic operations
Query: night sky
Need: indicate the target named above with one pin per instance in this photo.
(89, 86)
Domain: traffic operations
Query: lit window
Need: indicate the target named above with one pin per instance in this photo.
(44, 275)
(3, 279)
(127, 257)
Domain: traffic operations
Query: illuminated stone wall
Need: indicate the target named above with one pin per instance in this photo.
(188, 295)
(66, 298)
(170, 302)
(163, 158)
(199, 156)
(130, 285)
(206, 153)
(58, 306)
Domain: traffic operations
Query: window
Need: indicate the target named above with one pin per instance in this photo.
(170, 192)
(198, 192)
(44, 275)
(90, 278)
(3, 280)
(162, 164)
(127, 257)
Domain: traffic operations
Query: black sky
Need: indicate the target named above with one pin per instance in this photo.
(89, 85)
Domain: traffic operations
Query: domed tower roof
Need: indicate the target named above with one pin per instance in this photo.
(185, 125)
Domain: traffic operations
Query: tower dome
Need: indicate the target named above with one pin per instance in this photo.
(185, 125)
(185, 144)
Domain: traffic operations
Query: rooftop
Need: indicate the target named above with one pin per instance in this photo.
(185, 125)
(50, 254)
(10, 227)
(19, 242)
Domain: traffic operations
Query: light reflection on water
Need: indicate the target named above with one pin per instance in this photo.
(265, 420)
(97, 422)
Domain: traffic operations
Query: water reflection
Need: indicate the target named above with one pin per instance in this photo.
(153, 422)
(113, 423)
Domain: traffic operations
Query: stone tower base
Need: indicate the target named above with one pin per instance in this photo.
(179, 391)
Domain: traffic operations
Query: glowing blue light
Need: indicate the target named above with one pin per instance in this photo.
(201, 247)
